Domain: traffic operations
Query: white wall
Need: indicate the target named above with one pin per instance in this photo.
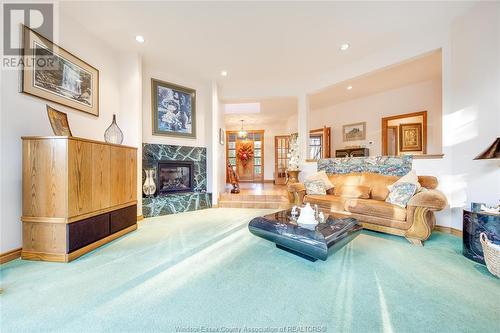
(219, 151)
(423, 96)
(24, 115)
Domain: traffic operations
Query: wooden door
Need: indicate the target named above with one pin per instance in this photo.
(281, 150)
(245, 169)
(392, 140)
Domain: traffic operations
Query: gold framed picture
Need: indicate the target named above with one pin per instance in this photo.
(173, 109)
(59, 122)
(54, 74)
(410, 137)
(354, 132)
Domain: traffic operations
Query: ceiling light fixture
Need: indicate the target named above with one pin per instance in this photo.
(242, 134)
(139, 39)
(344, 47)
(223, 73)
(349, 87)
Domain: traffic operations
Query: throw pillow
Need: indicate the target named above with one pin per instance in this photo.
(321, 175)
(315, 187)
(401, 193)
(411, 177)
(353, 191)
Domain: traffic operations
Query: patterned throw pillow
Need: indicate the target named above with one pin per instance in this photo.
(321, 175)
(401, 193)
(315, 187)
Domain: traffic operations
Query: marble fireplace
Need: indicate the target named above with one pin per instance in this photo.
(181, 179)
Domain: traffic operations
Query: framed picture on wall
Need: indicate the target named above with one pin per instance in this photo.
(173, 109)
(221, 136)
(410, 137)
(52, 73)
(354, 132)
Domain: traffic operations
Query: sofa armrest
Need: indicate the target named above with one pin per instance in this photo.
(433, 200)
(296, 193)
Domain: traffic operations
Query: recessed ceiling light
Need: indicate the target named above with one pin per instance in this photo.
(223, 73)
(344, 47)
(139, 39)
(349, 87)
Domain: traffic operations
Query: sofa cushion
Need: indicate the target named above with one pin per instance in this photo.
(345, 179)
(378, 183)
(375, 208)
(328, 202)
(353, 191)
(315, 186)
(320, 175)
(410, 177)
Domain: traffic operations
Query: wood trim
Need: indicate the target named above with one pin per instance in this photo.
(140, 217)
(37, 219)
(428, 156)
(56, 257)
(385, 121)
(449, 230)
(74, 138)
(10, 255)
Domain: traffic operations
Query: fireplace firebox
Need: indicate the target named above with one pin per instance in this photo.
(175, 176)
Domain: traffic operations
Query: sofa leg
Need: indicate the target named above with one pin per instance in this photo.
(415, 241)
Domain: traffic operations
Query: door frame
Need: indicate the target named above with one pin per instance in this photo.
(262, 149)
(386, 120)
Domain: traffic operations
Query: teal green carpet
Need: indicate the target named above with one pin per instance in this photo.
(204, 270)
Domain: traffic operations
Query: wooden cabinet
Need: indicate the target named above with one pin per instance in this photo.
(77, 194)
(352, 152)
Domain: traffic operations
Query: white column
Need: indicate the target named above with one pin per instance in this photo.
(303, 126)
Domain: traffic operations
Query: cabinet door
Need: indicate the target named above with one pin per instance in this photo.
(87, 231)
(100, 176)
(131, 175)
(80, 177)
(123, 218)
(118, 164)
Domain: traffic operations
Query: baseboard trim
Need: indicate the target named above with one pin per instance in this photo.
(449, 230)
(10, 255)
(140, 218)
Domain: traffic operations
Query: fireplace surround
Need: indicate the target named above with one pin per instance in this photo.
(176, 191)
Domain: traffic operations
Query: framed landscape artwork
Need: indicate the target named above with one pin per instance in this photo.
(410, 137)
(173, 109)
(52, 73)
(354, 132)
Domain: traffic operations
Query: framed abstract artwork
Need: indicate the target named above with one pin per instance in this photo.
(354, 132)
(173, 109)
(59, 122)
(410, 137)
(54, 74)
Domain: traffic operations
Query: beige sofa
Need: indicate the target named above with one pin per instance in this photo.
(415, 222)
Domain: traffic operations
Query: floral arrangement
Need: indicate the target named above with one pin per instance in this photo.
(293, 155)
(245, 153)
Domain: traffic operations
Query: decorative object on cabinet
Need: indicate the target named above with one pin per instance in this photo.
(352, 152)
(410, 137)
(59, 122)
(149, 187)
(492, 152)
(173, 109)
(293, 176)
(113, 133)
(354, 132)
(491, 254)
(56, 75)
(476, 222)
(78, 194)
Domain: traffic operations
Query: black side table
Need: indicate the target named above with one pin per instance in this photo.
(474, 223)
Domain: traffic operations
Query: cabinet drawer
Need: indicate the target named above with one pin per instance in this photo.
(87, 231)
(123, 218)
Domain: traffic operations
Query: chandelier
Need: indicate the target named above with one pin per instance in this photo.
(242, 134)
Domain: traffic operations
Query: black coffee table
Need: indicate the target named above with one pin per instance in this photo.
(326, 239)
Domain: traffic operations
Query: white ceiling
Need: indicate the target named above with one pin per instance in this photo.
(258, 43)
(423, 68)
(273, 112)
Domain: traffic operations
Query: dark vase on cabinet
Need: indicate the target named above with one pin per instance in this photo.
(352, 152)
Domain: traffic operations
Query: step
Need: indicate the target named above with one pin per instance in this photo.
(254, 204)
(252, 197)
